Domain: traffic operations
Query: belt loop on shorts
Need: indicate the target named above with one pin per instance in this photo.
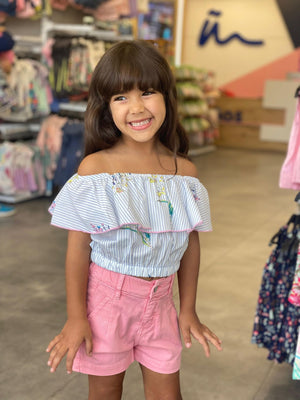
(171, 284)
(120, 283)
(153, 289)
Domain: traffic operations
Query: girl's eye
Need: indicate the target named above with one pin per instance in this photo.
(149, 92)
(119, 98)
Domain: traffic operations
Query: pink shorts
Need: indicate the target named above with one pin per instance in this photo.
(131, 319)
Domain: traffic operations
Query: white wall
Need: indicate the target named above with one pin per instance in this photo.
(254, 19)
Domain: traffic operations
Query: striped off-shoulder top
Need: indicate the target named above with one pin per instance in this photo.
(139, 223)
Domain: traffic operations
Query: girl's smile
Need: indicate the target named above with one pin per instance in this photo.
(140, 124)
(138, 114)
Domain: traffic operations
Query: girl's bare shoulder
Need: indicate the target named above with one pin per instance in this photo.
(93, 164)
(186, 167)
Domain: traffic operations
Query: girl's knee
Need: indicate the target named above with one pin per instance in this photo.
(106, 387)
(161, 386)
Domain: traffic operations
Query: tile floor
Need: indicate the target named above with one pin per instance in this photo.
(247, 206)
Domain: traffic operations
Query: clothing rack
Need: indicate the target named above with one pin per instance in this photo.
(277, 320)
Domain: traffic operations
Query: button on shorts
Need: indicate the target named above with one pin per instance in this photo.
(131, 320)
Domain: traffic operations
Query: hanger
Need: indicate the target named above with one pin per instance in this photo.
(297, 93)
(294, 221)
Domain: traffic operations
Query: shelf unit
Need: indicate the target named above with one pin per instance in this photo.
(48, 26)
(32, 45)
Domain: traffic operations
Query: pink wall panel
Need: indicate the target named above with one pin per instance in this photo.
(252, 85)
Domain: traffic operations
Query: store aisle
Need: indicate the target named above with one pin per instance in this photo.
(247, 209)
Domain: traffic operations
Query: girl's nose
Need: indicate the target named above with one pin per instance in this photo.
(136, 106)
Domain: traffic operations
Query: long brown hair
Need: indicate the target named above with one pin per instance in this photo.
(123, 67)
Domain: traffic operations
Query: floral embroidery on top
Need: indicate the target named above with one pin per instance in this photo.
(120, 182)
(52, 207)
(194, 192)
(161, 192)
(73, 178)
(100, 228)
(146, 237)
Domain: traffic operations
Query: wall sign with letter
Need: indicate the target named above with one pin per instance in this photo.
(211, 29)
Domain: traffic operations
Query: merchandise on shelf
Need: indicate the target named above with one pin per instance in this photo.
(28, 81)
(196, 93)
(71, 62)
(22, 171)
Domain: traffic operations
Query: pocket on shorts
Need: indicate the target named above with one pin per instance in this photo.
(173, 318)
(99, 298)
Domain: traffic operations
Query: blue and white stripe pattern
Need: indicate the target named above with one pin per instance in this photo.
(139, 223)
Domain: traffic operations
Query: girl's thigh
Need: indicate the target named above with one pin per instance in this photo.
(161, 386)
(106, 387)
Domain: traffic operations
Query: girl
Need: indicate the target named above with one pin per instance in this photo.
(133, 212)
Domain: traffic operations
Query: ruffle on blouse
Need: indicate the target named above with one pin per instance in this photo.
(152, 203)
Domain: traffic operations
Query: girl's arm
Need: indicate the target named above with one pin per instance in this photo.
(76, 329)
(187, 282)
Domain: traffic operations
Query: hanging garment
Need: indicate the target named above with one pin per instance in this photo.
(7, 96)
(276, 320)
(90, 3)
(71, 151)
(296, 367)
(29, 80)
(49, 142)
(103, 10)
(71, 64)
(111, 10)
(290, 170)
(6, 41)
(21, 169)
(294, 296)
(8, 7)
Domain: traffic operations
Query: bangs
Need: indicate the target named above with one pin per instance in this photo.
(129, 76)
(133, 69)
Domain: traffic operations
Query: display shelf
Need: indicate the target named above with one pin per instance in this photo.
(73, 106)
(79, 30)
(27, 45)
(10, 131)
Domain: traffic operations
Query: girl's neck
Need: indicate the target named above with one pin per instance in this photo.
(138, 158)
(149, 149)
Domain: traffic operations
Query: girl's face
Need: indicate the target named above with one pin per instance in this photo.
(138, 114)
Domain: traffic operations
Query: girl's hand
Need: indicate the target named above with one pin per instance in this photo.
(68, 341)
(190, 325)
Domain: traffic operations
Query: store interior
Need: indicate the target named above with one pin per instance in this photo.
(247, 152)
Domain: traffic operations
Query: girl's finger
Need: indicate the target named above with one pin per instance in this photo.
(205, 346)
(70, 359)
(203, 341)
(52, 357)
(53, 343)
(59, 355)
(216, 342)
(186, 336)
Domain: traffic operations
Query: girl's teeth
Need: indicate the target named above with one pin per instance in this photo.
(141, 123)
